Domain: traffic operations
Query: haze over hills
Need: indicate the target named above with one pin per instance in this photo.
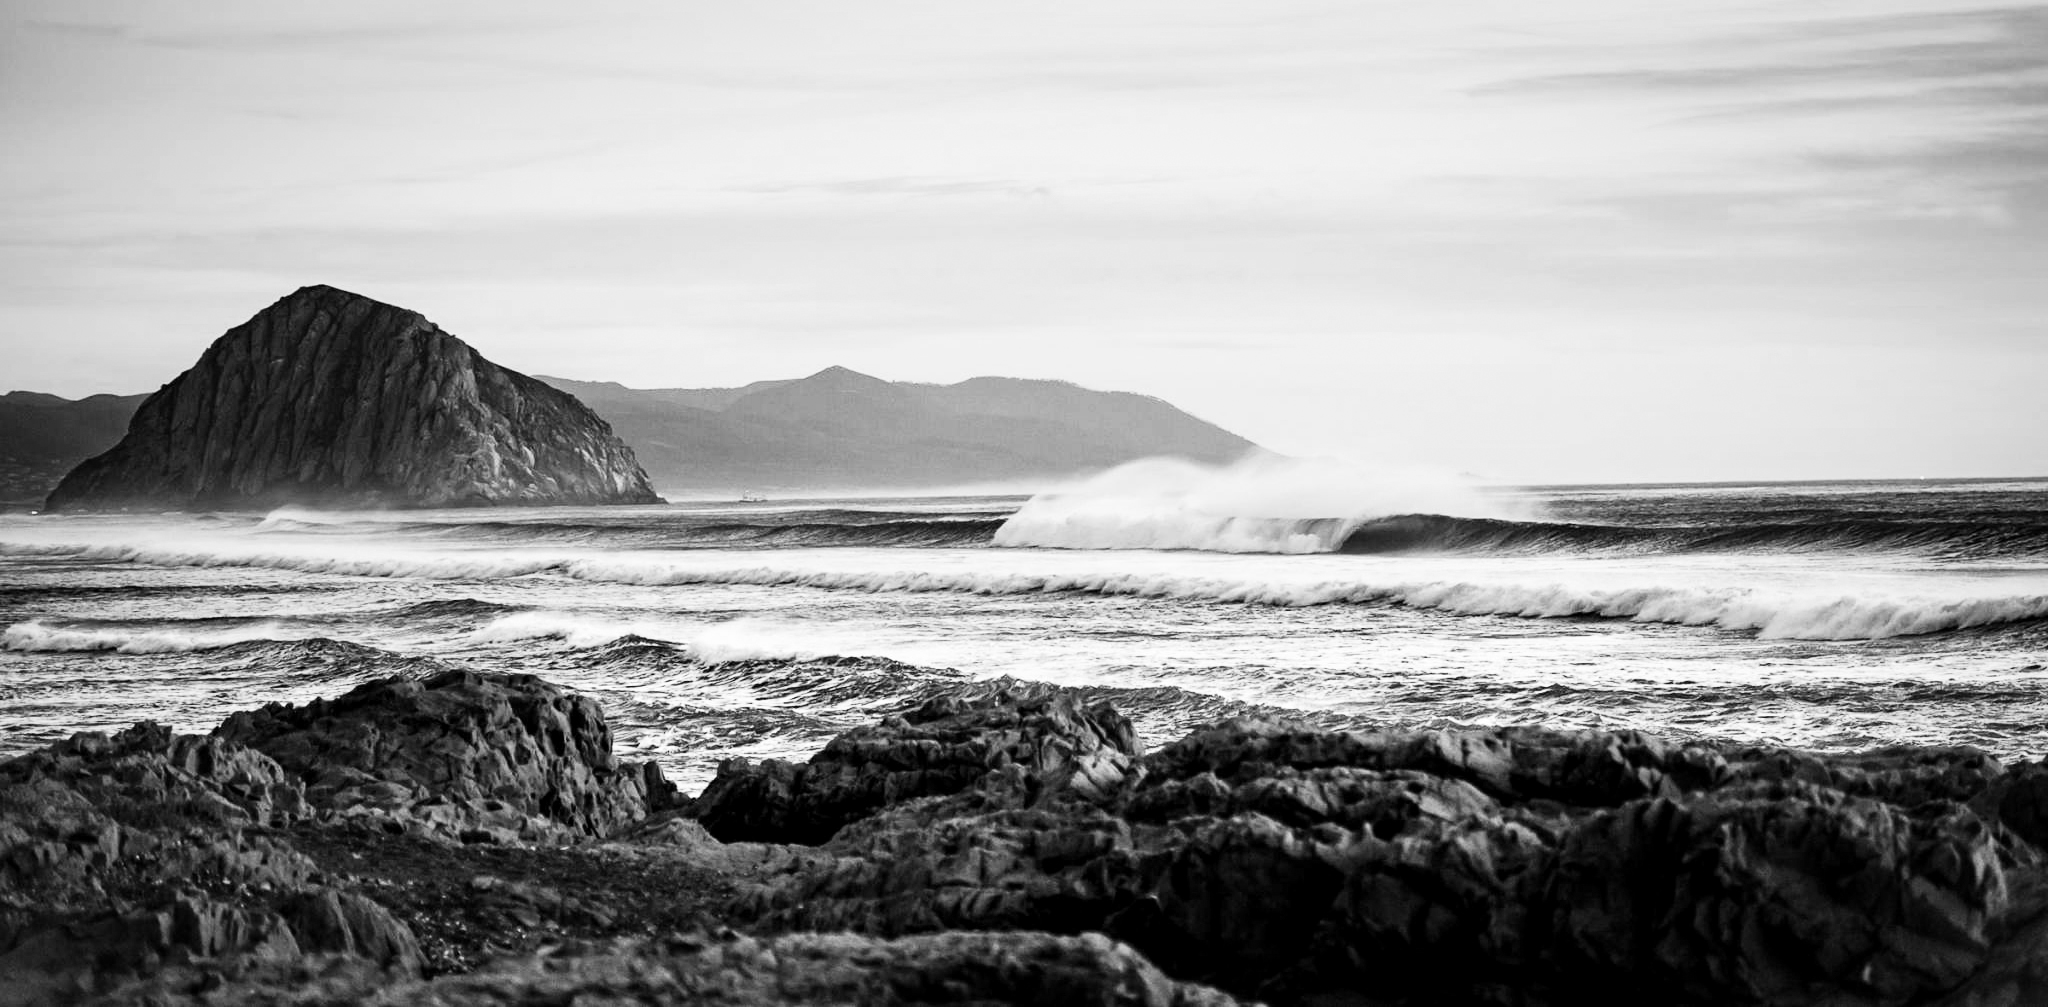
(836, 429)
(44, 436)
(840, 429)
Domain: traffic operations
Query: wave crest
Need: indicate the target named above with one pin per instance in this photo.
(37, 636)
(1262, 504)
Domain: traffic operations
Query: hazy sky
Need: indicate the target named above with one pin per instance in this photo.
(1562, 241)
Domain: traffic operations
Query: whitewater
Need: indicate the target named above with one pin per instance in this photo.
(1835, 616)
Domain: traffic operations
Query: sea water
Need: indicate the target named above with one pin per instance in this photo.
(1829, 616)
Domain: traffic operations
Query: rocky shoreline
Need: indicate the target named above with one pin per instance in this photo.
(469, 838)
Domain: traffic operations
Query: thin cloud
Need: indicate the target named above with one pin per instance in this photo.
(2009, 43)
(919, 187)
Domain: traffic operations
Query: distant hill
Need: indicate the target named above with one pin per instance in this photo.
(43, 436)
(329, 398)
(840, 429)
(835, 429)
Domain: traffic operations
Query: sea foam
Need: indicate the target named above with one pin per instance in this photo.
(1262, 504)
(745, 639)
(41, 637)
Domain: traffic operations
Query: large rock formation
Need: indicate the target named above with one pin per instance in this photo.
(1513, 866)
(480, 757)
(329, 398)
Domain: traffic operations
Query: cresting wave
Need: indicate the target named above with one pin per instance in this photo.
(1441, 533)
(745, 639)
(37, 636)
(1765, 614)
(1740, 610)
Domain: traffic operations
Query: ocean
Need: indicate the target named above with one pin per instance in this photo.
(1830, 616)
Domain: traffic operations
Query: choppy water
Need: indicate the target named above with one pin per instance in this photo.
(1834, 616)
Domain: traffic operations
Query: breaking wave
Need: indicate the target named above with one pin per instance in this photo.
(1771, 616)
(38, 636)
(1441, 533)
(1766, 616)
(1262, 504)
(745, 639)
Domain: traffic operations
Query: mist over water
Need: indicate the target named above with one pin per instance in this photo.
(1261, 504)
(1836, 616)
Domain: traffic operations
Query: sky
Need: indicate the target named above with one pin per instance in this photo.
(1563, 242)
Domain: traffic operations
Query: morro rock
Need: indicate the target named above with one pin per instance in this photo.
(329, 398)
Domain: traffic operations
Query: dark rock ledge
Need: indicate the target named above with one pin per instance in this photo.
(469, 838)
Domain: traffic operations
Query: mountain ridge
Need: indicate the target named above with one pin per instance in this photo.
(841, 428)
(836, 428)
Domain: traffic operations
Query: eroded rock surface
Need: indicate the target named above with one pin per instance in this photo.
(1043, 740)
(329, 398)
(1513, 866)
(467, 838)
(1021, 969)
(462, 754)
(122, 855)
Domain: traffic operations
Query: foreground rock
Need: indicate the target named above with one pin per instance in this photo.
(1005, 735)
(460, 754)
(123, 856)
(466, 838)
(1494, 867)
(1023, 969)
(329, 398)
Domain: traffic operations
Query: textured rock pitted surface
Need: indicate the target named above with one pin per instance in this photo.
(472, 754)
(1042, 738)
(121, 856)
(1007, 843)
(794, 970)
(330, 398)
(1512, 866)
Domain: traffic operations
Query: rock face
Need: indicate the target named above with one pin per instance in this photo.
(468, 838)
(1498, 867)
(985, 737)
(121, 856)
(329, 398)
(793, 970)
(480, 757)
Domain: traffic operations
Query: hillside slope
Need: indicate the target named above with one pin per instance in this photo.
(840, 429)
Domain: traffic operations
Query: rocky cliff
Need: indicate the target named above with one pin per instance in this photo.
(329, 398)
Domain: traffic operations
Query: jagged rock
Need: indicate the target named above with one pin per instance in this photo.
(333, 399)
(1490, 867)
(1063, 870)
(676, 831)
(345, 923)
(1022, 969)
(949, 744)
(1776, 895)
(1585, 768)
(2019, 799)
(120, 855)
(1500, 866)
(454, 753)
(153, 807)
(1903, 776)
